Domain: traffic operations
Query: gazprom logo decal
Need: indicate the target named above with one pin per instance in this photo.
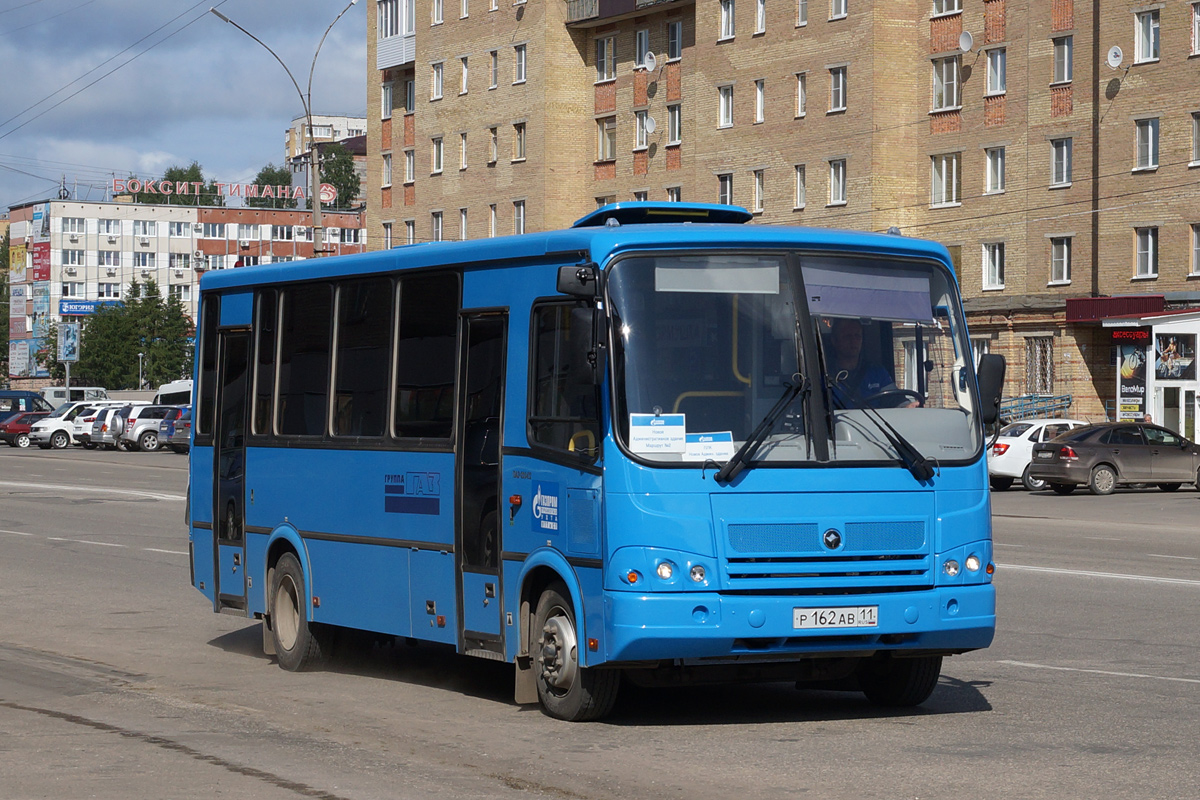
(545, 507)
(412, 493)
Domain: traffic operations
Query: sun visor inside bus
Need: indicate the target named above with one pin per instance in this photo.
(877, 292)
(751, 278)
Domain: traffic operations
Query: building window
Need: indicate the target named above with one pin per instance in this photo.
(435, 82)
(993, 265)
(435, 223)
(287, 233)
(494, 74)
(109, 291)
(519, 64)
(837, 89)
(997, 70)
(1195, 28)
(388, 20)
(143, 260)
(838, 9)
(759, 190)
(1145, 36)
(1195, 138)
(725, 189)
(462, 9)
(492, 221)
(760, 16)
(606, 200)
(518, 216)
(674, 194)
(1146, 265)
(110, 227)
(994, 181)
(801, 13)
(726, 19)
(801, 94)
(179, 230)
(760, 90)
(641, 48)
(639, 118)
(946, 188)
(674, 40)
(1063, 61)
(674, 124)
(641, 197)
(837, 182)
(801, 188)
(181, 291)
(1060, 260)
(462, 151)
(248, 232)
(349, 236)
(108, 258)
(606, 59)
(1147, 143)
(72, 289)
(1039, 365)
(945, 83)
(462, 224)
(410, 166)
(1060, 162)
(1195, 250)
(144, 227)
(518, 141)
(387, 170)
(725, 97)
(436, 154)
(493, 145)
(385, 101)
(410, 96)
(72, 258)
(435, 14)
(946, 6)
(73, 225)
(214, 230)
(462, 85)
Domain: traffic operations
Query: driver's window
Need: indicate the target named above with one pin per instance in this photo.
(1159, 436)
(564, 405)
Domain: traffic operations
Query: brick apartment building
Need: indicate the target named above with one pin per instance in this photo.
(1063, 183)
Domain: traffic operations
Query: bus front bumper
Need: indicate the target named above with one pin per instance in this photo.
(652, 627)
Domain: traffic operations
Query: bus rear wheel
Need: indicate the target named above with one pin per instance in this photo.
(899, 682)
(299, 643)
(567, 690)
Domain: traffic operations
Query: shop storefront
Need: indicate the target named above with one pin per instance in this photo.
(1155, 359)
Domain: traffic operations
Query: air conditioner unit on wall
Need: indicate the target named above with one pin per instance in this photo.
(110, 270)
(178, 273)
(112, 239)
(71, 270)
(245, 243)
(145, 273)
(74, 237)
(144, 241)
(198, 254)
(198, 228)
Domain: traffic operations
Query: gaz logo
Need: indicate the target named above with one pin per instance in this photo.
(545, 507)
(413, 493)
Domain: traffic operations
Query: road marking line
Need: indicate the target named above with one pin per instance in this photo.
(18, 533)
(1089, 574)
(1003, 544)
(1159, 555)
(59, 487)
(82, 541)
(172, 552)
(1100, 672)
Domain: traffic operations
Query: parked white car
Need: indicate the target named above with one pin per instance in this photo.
(1009, 457)
(59, 429)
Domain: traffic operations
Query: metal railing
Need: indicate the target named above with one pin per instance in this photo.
(1034, 405)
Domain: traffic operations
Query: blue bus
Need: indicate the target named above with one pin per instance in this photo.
(661, 446)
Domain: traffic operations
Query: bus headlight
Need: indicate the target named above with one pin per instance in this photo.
(973, 564)
(665, 570)
(950, 567)
(698, 573)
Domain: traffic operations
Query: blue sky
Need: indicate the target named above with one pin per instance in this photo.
(207, 93)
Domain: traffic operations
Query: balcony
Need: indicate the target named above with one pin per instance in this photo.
(395, 51)
(589, 13)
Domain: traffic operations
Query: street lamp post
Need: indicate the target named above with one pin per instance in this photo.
(314, 174)
(140, 355)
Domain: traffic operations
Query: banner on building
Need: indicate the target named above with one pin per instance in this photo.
(41, 308)
(1131, 382)
(16, 327)
(1175, 356)
(41, 261)
(16, 264)
(18, 358)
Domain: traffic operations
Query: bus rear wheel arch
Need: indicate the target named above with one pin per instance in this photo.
(299, 643)
(566, 689)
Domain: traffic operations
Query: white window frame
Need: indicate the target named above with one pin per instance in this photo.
(437, 155)
(387, 236)
(463, 11)
(385, 100)
(1147, 46)
(725, 189)
(639, 118)
(436, 226)
(518, 216)
(72, 257)
(518, 141)
(520, 53)
(436, 80)
(801, 13)
(435, 13)
(495, 75)
(725, 106)
(801, 94)
(1061, 158)
(606, 59)
(675, 123)
(462, 224)
(760, 16)
(1195, 267)
(801, 188)
(386, 178)
(76, 225)
(760, 100)
(108, 258)
(1145, 263)
(410, 232)
(993, 266)
(674, 40)
(839, 9)
(1147, 131)
(410, 165)
(462, 151)
(1195, 140)
(941, 7)
(945, 185)
(1060, 260)
(674, 194)
(837, 182)
(410, 96)
(462, 85)
(493, 145)
(994, 158)
(946, 84)
(72, 289)
(492, 221)
(727, 28)
(837, 89)
(760, 189)
(1064, 59)
(1195, 28)
(641, 48)
(108, 291)
(997, 71)
(387, 18)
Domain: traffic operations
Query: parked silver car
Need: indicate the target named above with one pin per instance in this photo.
(138, 426)
(103, 435)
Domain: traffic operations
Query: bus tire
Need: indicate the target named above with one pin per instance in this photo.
(299, 644)
(900, 682)
(565, 689)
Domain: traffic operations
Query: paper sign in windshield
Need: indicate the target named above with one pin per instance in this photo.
(657, 433)
(704, 446)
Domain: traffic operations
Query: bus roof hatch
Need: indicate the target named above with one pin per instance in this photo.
(642, 213)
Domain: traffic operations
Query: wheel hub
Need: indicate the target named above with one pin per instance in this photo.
(559, 656)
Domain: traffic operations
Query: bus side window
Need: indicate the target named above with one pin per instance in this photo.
(564, 405)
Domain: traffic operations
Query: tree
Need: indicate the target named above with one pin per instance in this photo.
(337, 168)
(271, 175)
(208, 196)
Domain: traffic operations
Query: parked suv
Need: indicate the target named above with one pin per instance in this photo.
(103, 435)
(57, 430)
(15, 429)
(138, 426)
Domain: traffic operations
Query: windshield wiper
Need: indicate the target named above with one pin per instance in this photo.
(921, 467)
(738, 462)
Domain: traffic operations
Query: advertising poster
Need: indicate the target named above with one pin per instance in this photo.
(41, 224)
(1175, 356)
(16, 327)
(41, 261)
(1131, 382)
(41, 308)
(36, 370)
(16, 264)
(68, 342)
(18, 359)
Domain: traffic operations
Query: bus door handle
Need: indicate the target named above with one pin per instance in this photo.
(489, 590)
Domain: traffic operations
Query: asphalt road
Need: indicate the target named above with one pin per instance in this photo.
(118, 681)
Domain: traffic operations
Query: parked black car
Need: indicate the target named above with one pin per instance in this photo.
(1105, 456)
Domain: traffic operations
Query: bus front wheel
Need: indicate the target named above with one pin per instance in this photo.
(299, 643)
(567, 690)
(900, 682)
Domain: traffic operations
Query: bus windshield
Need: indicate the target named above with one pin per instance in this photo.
(706, 345)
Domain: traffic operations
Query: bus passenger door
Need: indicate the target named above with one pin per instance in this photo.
(230, 481)
(477, 540)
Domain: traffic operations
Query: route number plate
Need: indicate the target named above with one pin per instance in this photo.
(848, 617)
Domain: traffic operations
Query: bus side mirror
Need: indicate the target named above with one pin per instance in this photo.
(991, 386)
(579, 280)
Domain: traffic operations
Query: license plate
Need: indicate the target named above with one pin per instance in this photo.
(847, 617)
(1045, 454)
